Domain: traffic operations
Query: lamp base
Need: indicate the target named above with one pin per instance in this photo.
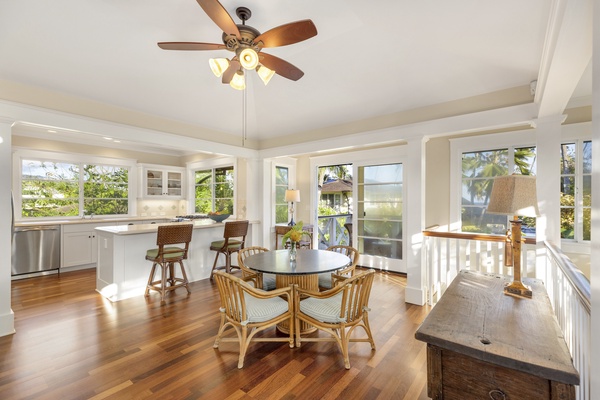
(517, 289)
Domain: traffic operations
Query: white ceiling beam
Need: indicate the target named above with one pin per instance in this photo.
(567, 53)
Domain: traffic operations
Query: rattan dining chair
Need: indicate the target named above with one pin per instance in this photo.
(325, 281)
(249, 311)
(261, 281)
(338, 311)
(167, 257)
(234, 238)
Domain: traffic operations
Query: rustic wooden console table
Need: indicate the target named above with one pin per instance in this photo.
(483, 344)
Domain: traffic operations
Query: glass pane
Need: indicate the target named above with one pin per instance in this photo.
(476, 191)
(203, 177)
(567, 191)
(485, 164)
(382, 173)
(105, 173)
(33, 169)
(587, 157)
(587, 224)
(389, 192)
(567, 158)
(525, 161)
(105, 206)
(381, 210)
(281, 176)
(587, 191)
(203, 206)
(281, 214)
(474, 219)
(380, 247)
(382, 229)
(50, 207)
(224, 175)
(50, 189)
(567, 223)
(224, 205)
(224, 190)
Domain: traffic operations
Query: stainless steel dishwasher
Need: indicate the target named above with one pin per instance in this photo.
(35, 249)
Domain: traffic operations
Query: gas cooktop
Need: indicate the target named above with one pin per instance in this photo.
(192, 216)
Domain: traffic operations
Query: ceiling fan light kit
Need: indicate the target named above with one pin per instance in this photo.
(247, 43)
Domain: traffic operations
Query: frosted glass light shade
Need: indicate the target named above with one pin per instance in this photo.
(249, 58)
(218, 66)
(514, 195)
(264, 73)
(238, 82)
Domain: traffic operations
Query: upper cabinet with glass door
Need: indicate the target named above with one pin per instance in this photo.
(161, 181)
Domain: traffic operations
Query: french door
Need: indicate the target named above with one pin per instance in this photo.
(379, 216)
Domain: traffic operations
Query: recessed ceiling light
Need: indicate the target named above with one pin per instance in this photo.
(107, 138)
(51, 131)
(117, 141)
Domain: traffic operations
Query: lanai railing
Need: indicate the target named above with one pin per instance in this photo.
(447, 253)
(332, 231)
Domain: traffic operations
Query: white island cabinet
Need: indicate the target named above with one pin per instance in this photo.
(123, 270)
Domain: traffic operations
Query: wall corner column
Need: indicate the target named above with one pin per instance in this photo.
(7, 319)
(415, 221)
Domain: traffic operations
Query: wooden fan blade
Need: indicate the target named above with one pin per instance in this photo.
(281, 67)
(227, 76)
(190, 46)
(291, 33)
(220, 16)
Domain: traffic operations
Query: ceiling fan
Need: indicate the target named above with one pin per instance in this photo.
(247, 44)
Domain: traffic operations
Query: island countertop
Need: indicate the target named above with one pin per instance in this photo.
(148, 228)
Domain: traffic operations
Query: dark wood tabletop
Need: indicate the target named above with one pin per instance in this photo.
(308, 262)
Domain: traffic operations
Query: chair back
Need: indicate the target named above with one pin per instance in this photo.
(174, 234)
(232, 296)
(235, 229)
(245, 252)
(355, 300)
(348, 251)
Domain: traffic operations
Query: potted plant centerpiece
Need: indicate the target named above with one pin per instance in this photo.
(294, 235)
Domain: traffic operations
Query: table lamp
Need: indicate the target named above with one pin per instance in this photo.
(514, 195)
(291, 196)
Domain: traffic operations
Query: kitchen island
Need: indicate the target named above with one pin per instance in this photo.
(122, 269)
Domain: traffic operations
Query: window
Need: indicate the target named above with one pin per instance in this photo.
(576, 190)
(62, 189)
(281, 185)
(214, 190)
(478, 171)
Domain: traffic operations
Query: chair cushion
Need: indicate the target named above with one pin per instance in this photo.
(324, 310)
(269, 282)
(153, 253)
(260, 310)
(218, 244)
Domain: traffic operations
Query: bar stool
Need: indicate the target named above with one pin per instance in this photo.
(229, 245)
(166, 257)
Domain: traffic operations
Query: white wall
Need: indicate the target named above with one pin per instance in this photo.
(6, 315)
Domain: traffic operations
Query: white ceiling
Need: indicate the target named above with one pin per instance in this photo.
(368, 59)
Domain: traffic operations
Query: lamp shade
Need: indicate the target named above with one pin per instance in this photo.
(218, 66)
(514, 195)
(292, 195)
(264, 73)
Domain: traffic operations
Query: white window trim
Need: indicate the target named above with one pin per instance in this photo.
(521, 138)
(20, 154)
(194, 166)
(290, 164)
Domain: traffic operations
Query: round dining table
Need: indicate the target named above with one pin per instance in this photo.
(304, 271)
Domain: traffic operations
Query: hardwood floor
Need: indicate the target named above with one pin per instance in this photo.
(71, 343)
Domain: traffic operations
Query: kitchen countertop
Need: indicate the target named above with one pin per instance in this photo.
(94, 220)
(148, 228)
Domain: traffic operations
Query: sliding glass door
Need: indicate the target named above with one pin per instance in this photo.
(379, 216)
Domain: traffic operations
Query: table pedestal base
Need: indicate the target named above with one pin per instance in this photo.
(310, 282)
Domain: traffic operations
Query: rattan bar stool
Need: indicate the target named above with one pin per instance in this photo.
(166, 257)
(234, 238)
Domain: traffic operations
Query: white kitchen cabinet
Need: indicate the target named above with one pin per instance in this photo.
(80, 244)
(160, 181)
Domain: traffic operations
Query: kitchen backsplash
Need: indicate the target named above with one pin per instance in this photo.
(159, 208)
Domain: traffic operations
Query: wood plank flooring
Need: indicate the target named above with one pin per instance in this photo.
(71, 343)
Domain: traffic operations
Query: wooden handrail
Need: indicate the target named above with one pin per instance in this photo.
(472, 236)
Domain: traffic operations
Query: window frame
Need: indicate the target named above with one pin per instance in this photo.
(211, 164)
(79, 159)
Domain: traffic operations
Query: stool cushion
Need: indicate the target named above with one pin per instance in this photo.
(218, 244)
(153, 253)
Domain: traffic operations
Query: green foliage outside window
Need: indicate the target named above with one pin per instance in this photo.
(214, 190)
(52, 189)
